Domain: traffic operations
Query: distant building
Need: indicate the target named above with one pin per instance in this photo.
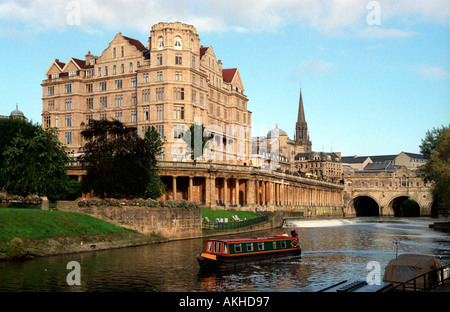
(409, 161)
(326, 166)
(276, 149)
(277, 152)
(15, 114)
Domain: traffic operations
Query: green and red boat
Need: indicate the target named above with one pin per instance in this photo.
(235, 251)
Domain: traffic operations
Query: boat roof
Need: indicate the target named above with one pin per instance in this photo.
(250, 239)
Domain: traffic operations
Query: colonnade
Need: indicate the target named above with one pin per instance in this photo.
(244, 191)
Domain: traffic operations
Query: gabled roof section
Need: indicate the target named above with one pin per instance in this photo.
(80, 64)
(136, 43)
(228, 74)
(57, 64)
(203, 51)
(233, 77)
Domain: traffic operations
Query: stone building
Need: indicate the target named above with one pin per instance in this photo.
(15, 114)
(277, 150)
(409, 161)
(169, 84)
(325, 166)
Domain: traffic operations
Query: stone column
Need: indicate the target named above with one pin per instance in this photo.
(263, 186)
(191, 189)
(212, 182)
(174, 187)
(237, 192)
(251, 195)
(225, 191)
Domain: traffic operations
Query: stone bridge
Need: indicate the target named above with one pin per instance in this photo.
(385, 193)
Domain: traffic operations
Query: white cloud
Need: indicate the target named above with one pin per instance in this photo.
(333, 17)
(433, 72)
(316, 67)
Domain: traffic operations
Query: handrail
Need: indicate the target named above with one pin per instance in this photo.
(233, 224)
(434, 283)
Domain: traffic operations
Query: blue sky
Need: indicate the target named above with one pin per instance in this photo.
(375, 75)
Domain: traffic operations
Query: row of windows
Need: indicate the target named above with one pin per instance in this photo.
(177, 42)
(159, 129)
(114, 69)
(250, 246)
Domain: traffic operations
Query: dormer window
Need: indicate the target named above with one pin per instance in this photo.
(177, 43)
(55, 76)
(72, 73)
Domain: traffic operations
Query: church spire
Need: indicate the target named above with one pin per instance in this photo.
(301, 127)
(301, 112)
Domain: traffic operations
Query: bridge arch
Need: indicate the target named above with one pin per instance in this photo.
(364, 206)
(404, 206)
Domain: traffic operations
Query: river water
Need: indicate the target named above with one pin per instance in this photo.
(333, 250)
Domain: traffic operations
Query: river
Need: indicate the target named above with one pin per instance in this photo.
(333, 250)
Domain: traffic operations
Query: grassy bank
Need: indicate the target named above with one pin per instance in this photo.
(31, 232)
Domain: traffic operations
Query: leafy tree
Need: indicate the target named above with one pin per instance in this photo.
(118, 161)
(436, 147)
(33, 161)
(196, 140)
(155, 187)
(431, 141)
(9, 128)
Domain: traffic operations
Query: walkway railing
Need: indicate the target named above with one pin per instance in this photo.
(425, 282)
(224, 224)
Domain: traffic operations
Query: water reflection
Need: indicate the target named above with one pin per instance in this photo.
(331, 252)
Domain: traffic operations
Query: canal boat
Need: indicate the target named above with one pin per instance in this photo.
(234, 251)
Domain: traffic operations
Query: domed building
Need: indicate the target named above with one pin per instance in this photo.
(17, 114)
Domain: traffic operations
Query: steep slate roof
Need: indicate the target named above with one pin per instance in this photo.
(60, 64)
(203, 51)
(416, 156)
(228, 74)
(81, 63)
(136, 43)
(353, 159)
(381, 165)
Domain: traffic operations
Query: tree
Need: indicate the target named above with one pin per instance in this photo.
(431, 141)
(155, 187)
(196, 140)
(117, 160)
(436, 147)
(33, 161)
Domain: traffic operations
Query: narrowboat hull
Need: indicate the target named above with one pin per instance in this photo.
(217, 261)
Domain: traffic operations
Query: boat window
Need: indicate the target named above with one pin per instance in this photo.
(283, 244)
(249, 246)
(237, 248)
(261, 246)
(209, 247)
(274, 245)
(225, 248)
(217, 247)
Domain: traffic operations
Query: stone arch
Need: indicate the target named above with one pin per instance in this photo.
(404, 206)
(364, 205)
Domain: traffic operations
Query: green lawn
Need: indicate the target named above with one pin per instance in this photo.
(213, 214)
(37, 224)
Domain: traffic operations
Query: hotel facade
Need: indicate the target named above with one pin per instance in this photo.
(170, 84)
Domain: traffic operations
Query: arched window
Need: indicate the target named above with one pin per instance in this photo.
(161, 42)
(177, 43)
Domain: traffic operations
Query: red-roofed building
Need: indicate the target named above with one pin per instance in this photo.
(169, 84)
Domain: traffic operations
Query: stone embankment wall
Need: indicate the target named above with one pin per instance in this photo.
(171, 223)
